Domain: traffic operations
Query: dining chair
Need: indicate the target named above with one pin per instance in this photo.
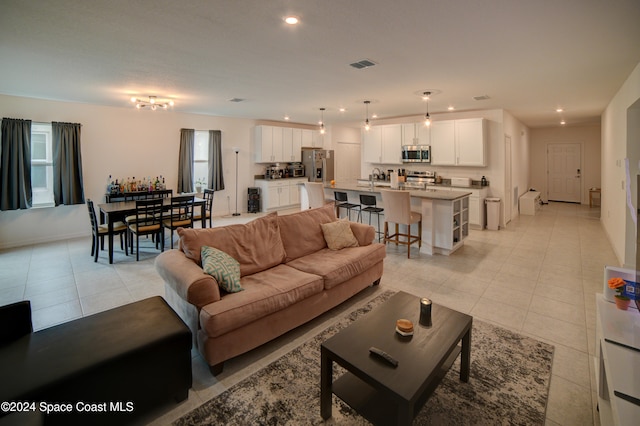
(397, 207)
(99, 231)
(315, 193)
(180, 215)
(148, 221)
(342, 202)
(208, 207)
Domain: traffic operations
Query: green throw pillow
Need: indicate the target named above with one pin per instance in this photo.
(224, 268)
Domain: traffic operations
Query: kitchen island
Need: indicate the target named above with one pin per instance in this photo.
(445, 214)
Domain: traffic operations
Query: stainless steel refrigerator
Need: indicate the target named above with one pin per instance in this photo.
(318, 164)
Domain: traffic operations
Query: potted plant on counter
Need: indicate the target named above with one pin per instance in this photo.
(199, 184)
(617, 284)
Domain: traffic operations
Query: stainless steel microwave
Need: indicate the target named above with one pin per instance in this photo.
(416, 154)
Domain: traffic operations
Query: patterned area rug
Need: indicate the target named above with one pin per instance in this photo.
(508, 384)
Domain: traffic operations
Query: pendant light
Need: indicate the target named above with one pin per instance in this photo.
(322, 121)
(367, 126)
(427, 118)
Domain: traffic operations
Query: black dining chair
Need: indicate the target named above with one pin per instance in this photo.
(100, 231)
(180, 215)
(148, 221)
(208, 207)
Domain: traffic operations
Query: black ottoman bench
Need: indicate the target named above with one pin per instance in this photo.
(106, 368)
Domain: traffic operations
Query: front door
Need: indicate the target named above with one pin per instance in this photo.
(564, 172)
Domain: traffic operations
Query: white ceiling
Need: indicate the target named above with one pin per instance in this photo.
(528, 56)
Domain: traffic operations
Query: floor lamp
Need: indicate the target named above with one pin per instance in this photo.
(236, 150)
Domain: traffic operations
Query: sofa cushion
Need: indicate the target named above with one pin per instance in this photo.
(264, 293)
(338, 235)
(337, 266)
(301, 233)
(224, 268)
(256, 245)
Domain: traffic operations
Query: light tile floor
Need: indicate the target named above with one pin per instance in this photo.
(538, 276)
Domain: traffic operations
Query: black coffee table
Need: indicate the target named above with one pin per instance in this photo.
(378, 391)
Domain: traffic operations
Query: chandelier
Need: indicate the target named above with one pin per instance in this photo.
(152, 102)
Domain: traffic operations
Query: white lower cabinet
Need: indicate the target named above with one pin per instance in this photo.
(279, 193)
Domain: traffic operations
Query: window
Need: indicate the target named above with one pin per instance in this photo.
(42, 165)
(201, 159)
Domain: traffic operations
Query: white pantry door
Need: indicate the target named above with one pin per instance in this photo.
(564, 172)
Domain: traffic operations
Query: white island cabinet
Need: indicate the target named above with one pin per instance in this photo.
(445, 214)
(459, 142)
(477, 214)
(279, 193)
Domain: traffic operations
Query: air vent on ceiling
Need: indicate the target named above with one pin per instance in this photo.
(365, 63)
(481, 97)
(236, 100)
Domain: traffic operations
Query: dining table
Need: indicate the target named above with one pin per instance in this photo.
(113, 212)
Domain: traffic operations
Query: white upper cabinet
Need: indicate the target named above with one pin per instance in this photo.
(382, 144)
(317, 140)
(459, 142)
(372, 141)
(291, 144)
(264, 144)
(470, 141)
(281, 144)
(443, 150)
(415, 134)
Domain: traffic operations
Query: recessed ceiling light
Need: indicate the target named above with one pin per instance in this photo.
(286, 117)
(559, 110)
(291, 20)
(342, 109)
(563, 122)
(374, 116)
(451, 108)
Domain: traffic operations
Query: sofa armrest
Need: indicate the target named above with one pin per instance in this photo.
(187, 278)
(363, 233)
(15, 321)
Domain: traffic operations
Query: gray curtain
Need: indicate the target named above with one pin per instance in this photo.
(185, 160)
(216, 178)
(67, 164)
(15, 165)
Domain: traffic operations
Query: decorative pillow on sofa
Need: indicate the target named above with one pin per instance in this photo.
(338, 235)
(224, 268)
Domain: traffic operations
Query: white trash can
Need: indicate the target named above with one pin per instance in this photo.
(493, 213)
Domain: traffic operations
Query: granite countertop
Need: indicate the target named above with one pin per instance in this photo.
(429, 193)
(445, 184)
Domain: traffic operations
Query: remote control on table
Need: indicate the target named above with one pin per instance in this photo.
(384, 356)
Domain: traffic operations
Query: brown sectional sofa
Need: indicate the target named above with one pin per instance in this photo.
(288, 273)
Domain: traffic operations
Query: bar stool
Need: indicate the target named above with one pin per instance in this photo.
(398, 211)
(342, 201)
(368, 204)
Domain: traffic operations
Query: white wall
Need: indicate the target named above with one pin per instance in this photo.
(123, 142)
(587, 136)
(520, 164)
(617, 145)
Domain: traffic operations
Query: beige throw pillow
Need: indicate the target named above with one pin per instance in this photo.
(338, 235)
